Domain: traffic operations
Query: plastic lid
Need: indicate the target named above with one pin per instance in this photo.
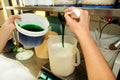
(25, 55)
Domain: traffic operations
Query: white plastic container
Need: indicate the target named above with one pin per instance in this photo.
(45, 2)
(98, 2)
(63, 59)
(31, 38)
(64, 2)
(30, 2)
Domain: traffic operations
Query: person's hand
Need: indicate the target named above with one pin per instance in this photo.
(79, 25)
(10, 22)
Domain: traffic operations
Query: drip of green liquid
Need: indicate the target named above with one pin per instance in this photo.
(63, 22)
(32, 27)
(63, 31)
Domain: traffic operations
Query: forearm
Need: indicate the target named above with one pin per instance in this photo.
(5, 32)
(96, 65)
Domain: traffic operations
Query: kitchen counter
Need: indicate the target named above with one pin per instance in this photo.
(34, 64)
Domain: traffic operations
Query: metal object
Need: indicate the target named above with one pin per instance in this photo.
(47, 75)
(115, 45)
(92, 11)
(79, 73)
(15, 39)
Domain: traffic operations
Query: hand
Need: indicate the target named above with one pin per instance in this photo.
(79, 25)
(10, 22)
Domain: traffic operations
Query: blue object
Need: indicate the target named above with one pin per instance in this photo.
(31, 38)
(94, 6)
(30, 41)
(49, 79)
(43, 76)
(47, 75)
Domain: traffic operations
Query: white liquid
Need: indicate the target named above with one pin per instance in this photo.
(62, 59)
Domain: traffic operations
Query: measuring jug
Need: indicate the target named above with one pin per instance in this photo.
(63, 59)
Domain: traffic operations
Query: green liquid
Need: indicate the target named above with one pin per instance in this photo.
(32, 27)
